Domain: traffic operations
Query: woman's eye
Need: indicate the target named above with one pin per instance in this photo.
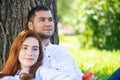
(25, 48)
(35, 49)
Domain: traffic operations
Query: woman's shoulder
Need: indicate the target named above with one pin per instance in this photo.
(10, 78)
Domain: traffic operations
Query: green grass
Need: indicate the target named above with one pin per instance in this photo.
(101, 62)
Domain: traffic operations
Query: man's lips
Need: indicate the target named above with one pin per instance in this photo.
(47, 29)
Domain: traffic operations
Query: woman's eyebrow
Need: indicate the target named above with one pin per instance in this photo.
(25, 45)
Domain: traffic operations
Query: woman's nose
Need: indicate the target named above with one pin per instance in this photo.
(30, 52)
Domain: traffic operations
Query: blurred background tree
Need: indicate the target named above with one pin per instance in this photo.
(97, 21)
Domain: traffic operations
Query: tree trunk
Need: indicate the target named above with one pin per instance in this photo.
(13, 18)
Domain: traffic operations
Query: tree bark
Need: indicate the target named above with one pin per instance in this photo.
(13, 18)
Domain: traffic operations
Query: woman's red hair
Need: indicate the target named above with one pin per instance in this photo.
(12, 64)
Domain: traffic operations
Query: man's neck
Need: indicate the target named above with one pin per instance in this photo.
(45, 41)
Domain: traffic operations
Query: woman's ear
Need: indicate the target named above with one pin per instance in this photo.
(30, 25)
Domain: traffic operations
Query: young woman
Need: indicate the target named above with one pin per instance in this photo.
(25, 53)
(25, 60)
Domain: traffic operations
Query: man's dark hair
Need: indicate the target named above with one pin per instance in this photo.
(31, 13)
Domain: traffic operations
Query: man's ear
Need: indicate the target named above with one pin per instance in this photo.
(30, 25)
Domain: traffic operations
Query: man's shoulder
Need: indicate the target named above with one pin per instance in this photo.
(59, 49)
(58, 46)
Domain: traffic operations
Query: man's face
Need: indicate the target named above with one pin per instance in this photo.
(43, 24)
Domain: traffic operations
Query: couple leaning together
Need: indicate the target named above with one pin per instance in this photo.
(33, 57)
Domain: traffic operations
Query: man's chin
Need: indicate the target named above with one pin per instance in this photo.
(43, 36)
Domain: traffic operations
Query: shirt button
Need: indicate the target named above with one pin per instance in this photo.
(49, 56)
(44, 48)
(57, 69)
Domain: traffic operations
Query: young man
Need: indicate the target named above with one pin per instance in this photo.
(56, 57)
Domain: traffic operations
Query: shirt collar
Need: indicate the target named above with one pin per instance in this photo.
(25, 70)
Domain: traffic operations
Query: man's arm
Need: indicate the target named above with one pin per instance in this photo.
(66, 63)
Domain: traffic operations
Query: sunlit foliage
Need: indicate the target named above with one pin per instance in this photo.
(100, 20)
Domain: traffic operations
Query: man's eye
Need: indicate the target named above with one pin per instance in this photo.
(50, 19)
(41, 19)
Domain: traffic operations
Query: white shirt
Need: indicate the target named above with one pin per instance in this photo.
(42, 73)
(58, 58)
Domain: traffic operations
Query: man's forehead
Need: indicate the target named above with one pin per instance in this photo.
(43, 12)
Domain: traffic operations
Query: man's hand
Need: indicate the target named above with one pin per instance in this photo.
(92, 78)
(89, 76)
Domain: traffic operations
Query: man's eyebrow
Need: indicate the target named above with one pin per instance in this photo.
(46, 17)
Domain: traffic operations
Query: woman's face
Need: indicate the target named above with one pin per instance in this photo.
(29, 52)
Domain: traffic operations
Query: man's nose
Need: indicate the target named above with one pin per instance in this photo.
(47, 22)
